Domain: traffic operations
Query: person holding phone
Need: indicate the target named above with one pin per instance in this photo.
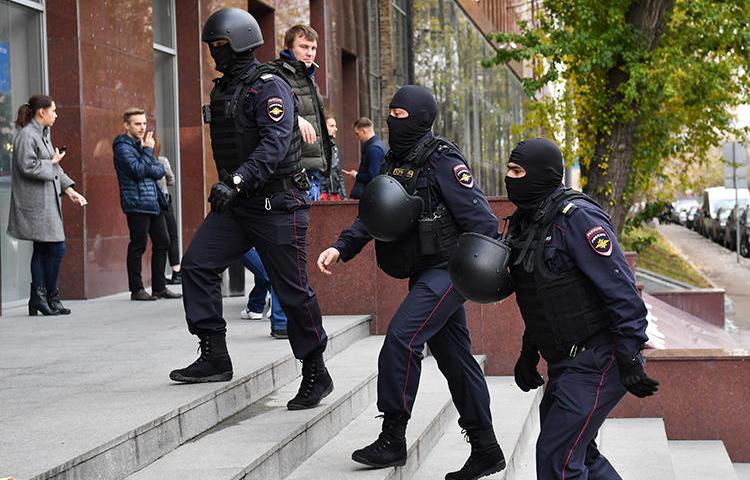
(142, 201)
(37, 185)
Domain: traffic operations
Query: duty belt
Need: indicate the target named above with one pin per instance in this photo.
(275, 186)
(596, 340)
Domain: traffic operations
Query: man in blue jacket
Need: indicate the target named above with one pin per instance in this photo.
(373, 153)
(142, 201)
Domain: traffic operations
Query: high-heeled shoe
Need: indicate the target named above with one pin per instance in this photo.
(38, 302)
(53, 299)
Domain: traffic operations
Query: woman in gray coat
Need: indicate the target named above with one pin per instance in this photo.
(37, 183)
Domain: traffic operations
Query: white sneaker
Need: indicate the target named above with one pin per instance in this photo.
(246, 314)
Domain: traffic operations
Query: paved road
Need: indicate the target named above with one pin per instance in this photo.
(721, 267)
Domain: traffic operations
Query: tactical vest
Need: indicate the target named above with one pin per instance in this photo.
(437, 234)
(234, 134)
(317, 155)
(561, 310)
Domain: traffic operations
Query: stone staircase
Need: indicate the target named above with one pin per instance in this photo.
(242, 430)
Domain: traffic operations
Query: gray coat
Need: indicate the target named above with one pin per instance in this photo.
(36, 187)
(168, 179)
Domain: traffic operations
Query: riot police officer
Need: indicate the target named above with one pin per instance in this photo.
(582, 311)
(260, 201)
(415, 212)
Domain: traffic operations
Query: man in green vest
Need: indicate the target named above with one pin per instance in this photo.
(296, 63)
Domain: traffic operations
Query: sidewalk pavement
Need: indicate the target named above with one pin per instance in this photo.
(71, 383)
(721, 267)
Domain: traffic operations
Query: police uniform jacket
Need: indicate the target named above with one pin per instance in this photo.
(582, 237)
(448, 177)
(36, 187)
(271, 107)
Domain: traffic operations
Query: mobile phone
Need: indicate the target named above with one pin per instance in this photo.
(62, 149)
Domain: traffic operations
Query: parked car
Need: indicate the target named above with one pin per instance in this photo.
(718, 222)
(745, 233)
(690, 216)
(715, 198)
(680, 209)
(730, 229)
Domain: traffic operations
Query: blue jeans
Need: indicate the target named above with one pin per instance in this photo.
(257, 298)
(314, 192)
(45, 264)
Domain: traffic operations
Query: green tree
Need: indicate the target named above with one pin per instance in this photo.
(639, 81)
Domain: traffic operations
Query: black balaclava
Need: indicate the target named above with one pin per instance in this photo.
(543, 163)
(230, 62)
(405, 133)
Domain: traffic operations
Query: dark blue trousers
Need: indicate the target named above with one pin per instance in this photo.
(578, 396)
(277, 227)
(45, 264)
(432, 313)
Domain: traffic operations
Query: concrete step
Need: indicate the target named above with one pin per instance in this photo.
(637, 448)
(118, 411)
(265, 440)
(742, 470)
(700, 460)
(433, 412)
(516, 420)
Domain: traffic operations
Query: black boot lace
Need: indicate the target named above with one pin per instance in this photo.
(384, 440)
(309, 374)
(204, 348)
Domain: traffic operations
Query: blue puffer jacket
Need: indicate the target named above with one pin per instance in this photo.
(137, 173)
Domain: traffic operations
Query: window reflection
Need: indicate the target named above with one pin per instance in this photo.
(476, 106)
(21, 76)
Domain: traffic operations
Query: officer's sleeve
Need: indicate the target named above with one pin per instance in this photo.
(463, 197)
(271, 104)
(352, 241)
(592, 244)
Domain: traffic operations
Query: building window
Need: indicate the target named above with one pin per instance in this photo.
(401, 41)
(166, 93)
(477, 107)
(376, 94)
(23, 68)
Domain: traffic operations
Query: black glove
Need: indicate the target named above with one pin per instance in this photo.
(634, 377)
(525, 372)
(222, 195)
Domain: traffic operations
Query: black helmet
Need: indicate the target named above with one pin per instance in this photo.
(236, 26)
(386, 210)
(479, 268)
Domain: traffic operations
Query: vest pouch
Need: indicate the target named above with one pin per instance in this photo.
(398, 259)
(300, 179)
(575, 308)
(429, 243)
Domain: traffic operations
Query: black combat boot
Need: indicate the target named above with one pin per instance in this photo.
(486, 457)
(39, 302)
(214, 364)
(54, 302)
(389, 450)
(316, 383)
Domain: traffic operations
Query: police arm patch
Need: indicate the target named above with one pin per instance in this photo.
(599, 241)
(275, 109)
(463, 175)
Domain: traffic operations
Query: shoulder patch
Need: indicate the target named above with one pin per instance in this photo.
(266, 77)
(569, 208)
(463, 175)
(275, 109)
(598, 239)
